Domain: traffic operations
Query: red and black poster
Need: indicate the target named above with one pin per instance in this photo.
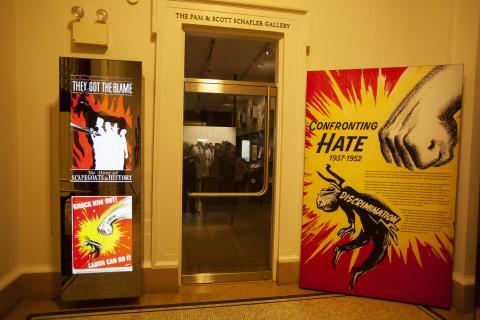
(102, 234)
(381, 154)
(102, 130)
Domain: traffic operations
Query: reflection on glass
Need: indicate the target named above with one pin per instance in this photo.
(216, 156)
(223, 152)
(246, 150)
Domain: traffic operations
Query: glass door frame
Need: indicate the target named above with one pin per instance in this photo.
(268, 90)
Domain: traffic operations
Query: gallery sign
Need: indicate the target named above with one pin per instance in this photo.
(381, 152)
(231, 20)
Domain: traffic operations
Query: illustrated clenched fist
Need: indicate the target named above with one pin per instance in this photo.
(422, 131)
(119, 211)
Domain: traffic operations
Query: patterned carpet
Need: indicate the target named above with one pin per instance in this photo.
(305, 307)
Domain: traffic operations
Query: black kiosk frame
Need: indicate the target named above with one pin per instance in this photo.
(100, 178)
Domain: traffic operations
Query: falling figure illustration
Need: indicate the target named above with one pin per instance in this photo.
(95, 248)
(378, 222)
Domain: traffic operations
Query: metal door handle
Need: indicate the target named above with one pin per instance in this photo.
(266, 167)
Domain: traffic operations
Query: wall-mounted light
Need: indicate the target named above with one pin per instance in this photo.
(77, 12)
(102, 15)
(93, 33)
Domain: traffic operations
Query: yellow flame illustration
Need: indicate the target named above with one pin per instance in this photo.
(88, 231)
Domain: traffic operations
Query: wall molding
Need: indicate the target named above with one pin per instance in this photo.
(166, 205)
(43, 282)
(463, 293)
(288, 272)
(289, 258)
(28, 282)
(463, 280)
(10, 277)
(247, 5)
(160, 280)
(165, 264)
(156, 4)
(24, 269)
(11, 294)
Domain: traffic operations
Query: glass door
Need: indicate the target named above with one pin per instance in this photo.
(227, 180)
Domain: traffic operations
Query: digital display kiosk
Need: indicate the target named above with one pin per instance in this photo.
(100, 178)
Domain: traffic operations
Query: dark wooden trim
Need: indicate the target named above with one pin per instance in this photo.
(160, 280)
(10, 296)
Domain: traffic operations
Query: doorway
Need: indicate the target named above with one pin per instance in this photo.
(228, 146)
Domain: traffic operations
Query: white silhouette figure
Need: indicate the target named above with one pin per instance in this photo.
(110, 146)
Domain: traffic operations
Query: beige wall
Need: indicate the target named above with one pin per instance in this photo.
(344, 34)
(8, 144)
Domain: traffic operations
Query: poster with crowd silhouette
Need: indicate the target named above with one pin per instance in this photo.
(102, 111)
(381, 153)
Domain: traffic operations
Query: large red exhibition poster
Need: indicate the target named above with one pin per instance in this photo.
(381, 151)
(102, 234)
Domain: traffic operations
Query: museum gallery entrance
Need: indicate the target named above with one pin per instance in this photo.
(228, 141)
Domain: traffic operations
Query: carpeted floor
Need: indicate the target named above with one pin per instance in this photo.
(305, 307)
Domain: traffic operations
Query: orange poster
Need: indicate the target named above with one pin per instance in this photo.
(102, 234)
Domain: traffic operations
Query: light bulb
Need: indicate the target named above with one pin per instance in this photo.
(102, 15)
(78, 12)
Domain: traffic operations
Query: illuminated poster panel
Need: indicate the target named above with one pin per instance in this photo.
(100, 178)
(381, 152)
(102, 128)
(102, 234)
